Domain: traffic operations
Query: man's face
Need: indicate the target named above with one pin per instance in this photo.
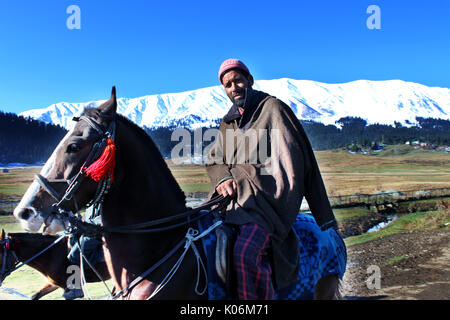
(235, 84)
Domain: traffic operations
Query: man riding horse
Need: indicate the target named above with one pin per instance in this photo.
(267, 193)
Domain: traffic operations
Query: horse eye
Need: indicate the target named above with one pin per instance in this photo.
(73, 147)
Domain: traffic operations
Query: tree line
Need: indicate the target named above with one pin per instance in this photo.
(27, 140)
(356, 131)
(349, 131)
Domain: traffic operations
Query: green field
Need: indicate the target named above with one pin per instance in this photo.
(343, 173)
(15, 182)
(346, 174)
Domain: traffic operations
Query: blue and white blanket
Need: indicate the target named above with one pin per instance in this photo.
(321, 253)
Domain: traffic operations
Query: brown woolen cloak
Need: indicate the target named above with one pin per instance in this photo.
(271, 160)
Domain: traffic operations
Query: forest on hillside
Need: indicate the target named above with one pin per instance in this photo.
(26, 140)
(30, 141)
(356, 131)
(352, 131)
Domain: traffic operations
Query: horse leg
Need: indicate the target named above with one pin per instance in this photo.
(327, 288)
(46, 289)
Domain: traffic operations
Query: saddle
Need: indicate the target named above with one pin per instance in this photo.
(226, 236)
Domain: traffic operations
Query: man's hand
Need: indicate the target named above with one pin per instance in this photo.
(228, 187)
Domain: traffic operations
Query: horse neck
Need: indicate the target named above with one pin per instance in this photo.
(27, 245)
(146, 189)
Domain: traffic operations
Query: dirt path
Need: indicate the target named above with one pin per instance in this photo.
(413, 265)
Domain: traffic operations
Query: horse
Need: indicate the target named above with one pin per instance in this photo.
(140, 188)
(52, 264)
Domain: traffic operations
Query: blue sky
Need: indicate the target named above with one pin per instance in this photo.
(150, 47)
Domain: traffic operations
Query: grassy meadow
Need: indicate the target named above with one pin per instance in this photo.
(15, 182)
(401, 168)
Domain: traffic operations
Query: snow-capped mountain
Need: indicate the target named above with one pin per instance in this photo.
(375, 101)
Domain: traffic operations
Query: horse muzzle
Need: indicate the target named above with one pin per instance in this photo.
(32, 220)
(29, 218)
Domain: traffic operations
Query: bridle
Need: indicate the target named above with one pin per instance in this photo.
(92, 230)
(74, 183)
(6, 247)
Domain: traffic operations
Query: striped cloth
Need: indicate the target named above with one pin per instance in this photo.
(252, 265)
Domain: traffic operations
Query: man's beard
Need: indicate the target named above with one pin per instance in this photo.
(241, 102)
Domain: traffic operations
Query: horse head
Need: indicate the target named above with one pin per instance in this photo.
(67, 181)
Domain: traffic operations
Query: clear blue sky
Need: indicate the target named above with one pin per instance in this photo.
(148, 46)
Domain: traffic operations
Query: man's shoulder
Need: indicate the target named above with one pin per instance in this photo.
(275, 105)
(280, 113)
(225, 125)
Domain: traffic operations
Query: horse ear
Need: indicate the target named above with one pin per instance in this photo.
(110, 106)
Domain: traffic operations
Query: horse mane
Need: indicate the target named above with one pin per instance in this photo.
(146, 141)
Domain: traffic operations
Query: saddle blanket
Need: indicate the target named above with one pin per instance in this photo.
(321, 253)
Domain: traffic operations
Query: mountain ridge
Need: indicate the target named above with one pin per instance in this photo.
(381, 101)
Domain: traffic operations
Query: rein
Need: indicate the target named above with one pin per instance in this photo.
(77, 226)
(189, 239)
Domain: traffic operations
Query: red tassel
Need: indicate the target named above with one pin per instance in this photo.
(103, 167)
